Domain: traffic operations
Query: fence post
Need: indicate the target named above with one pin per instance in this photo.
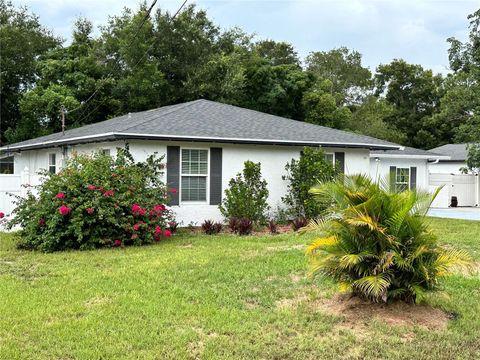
(24, 180)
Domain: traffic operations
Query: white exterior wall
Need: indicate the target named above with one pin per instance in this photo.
(272, 158)
(380, 169)
(447, 167)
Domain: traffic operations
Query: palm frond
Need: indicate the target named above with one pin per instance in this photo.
(374, 287)
(321, 243)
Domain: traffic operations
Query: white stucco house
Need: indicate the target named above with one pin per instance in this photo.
(206, 144)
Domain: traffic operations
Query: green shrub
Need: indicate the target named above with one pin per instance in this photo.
(246, 196)
(96, 201)
(302, 174)
(377, 243)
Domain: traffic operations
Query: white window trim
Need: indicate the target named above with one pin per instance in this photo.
(52, 165)
(402, 183)
(207, 176)
(333, 157)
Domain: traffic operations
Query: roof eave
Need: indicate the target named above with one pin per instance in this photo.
(119, 136)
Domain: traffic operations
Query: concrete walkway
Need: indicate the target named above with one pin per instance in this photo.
(466, 213)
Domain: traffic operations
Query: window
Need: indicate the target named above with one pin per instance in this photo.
(402, 179)
(6, 165)
(106, 152)
(52, 163)
(194, 170)
(329, 157)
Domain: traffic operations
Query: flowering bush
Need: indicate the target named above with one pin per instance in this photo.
(96, 201)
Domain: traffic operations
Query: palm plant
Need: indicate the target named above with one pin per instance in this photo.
(377, 243)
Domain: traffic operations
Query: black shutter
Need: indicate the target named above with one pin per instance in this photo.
(393, 177)
(173, 173)
(340, 161)
(215, 176)
(413, 178)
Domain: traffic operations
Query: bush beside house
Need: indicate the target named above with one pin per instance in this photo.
(96, 201)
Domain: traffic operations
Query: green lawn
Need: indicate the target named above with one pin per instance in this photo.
(212, 297)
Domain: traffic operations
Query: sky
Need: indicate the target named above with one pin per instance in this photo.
(381, 30)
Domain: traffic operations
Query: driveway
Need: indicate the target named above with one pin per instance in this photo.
(466, 213)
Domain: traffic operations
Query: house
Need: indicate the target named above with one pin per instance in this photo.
(458, 159)
(464, 186)
(206, 144)
(406, 168)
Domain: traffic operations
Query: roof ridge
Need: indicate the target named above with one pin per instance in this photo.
(176, 108)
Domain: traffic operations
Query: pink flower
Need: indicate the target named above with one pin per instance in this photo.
(60, 195)
(159, 208)
(114, 174)
(136, 227)
(91, 187)
(134, 236)
(41, 221)
(90, 211)
(64, 210)
(2, 215)
(158, 230)
(108, 193)
(137, 210)
(173, 190)
(117, 243)
(167, 233)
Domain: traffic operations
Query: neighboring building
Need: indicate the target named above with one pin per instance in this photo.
(465, 187)
(458, 156)
(206, 144)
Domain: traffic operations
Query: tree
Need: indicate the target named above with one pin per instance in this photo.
(311, 169)
(67, 76)
(343, 68)
(23, 40)
(369, 119)
(321, 106)
(415, 95)
(276, 53)
(275, 89)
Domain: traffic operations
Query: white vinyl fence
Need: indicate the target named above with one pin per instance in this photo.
(11, 184)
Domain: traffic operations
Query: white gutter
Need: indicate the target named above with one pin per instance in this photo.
(202, 138)
(405, 156)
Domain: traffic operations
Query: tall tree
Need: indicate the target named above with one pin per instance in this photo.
(22, 40)
(343, 68)
(415, 95)
(277, 53)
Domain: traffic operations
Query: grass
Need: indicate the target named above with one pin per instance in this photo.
(211, 297)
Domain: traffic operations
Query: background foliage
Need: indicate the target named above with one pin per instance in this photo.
(135, 65)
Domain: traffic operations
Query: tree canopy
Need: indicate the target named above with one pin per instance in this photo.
(140, 61)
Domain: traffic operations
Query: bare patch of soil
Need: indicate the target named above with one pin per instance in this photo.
(357, 313)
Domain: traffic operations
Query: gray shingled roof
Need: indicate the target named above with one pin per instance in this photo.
(409, 151)
(457, 152)
(204, 120)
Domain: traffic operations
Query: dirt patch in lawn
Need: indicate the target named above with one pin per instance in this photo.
(399, 313)
(357, 313)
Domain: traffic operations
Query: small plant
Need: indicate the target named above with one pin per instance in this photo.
(210, 227)
(377, 243)
(273, 227)
(233, 224)
(299, 223)
(246, 195)
(245, 226)
(173, 226)
(311, 169)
